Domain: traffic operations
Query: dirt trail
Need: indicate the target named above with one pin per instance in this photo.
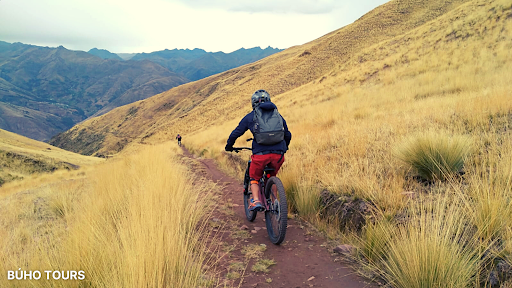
(302, 259)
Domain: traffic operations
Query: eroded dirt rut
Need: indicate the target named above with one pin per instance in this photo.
(302, 260)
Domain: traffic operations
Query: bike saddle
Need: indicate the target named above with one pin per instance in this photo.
(268, 169)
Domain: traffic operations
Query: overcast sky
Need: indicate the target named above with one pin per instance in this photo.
(126, 26)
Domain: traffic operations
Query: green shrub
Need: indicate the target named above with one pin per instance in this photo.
(435, 156)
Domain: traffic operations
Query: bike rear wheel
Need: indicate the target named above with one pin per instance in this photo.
(251, 215)
(276, 216)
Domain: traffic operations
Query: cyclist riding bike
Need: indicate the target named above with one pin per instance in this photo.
(179, 139)
(263, 154)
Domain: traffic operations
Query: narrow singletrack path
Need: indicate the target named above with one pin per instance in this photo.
(302, 259)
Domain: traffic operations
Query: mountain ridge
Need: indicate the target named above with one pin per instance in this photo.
(196, 64)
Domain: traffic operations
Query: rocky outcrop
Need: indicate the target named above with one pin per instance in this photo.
(351, 213)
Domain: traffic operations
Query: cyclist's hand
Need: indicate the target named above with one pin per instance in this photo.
(229, 148)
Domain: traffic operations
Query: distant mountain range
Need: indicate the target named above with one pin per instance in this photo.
(44, 91)
(197, 64)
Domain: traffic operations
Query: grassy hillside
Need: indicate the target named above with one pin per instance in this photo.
(224, 97)
(21, 157)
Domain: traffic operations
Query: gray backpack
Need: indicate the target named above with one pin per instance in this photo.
(268, 126)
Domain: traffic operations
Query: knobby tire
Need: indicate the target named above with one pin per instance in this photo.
(278, 212)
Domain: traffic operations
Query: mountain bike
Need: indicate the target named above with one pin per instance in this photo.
(273, 199)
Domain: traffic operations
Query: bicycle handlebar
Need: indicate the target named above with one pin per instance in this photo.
(238, 149)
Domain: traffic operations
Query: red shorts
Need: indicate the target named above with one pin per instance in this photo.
(259, 162)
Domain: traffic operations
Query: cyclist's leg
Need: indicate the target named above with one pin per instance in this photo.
(255, 189)
(255, 172)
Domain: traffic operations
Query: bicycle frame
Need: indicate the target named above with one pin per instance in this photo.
(263, 181)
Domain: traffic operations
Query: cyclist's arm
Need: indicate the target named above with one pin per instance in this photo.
(287, 134)
(239, 131)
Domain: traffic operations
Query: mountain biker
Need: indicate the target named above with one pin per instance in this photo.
(179, 139)
(272, 155)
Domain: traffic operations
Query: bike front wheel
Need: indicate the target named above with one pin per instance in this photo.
(276, 216)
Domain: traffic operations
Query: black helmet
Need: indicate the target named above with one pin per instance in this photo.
(258, 97)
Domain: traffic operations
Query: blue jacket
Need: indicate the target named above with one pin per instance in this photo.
(248, 123)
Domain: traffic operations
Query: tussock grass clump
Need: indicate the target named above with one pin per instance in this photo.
(435, 156)
(307, 200)
(491, 209)
(489, 197)
(434, 248)
(376, 237)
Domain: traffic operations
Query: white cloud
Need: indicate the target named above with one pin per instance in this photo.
(151, 25)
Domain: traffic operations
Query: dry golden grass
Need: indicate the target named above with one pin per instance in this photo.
(133, 222)
(428, 252)
(25, 146)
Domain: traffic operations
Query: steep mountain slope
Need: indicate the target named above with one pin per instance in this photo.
(37, 124)
(197, 64)
(21, 156)
(44, 90)
(207, 102)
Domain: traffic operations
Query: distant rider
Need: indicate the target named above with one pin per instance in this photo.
(273, 155)
(179, 139)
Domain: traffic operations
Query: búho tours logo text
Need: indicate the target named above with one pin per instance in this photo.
(47, 274)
